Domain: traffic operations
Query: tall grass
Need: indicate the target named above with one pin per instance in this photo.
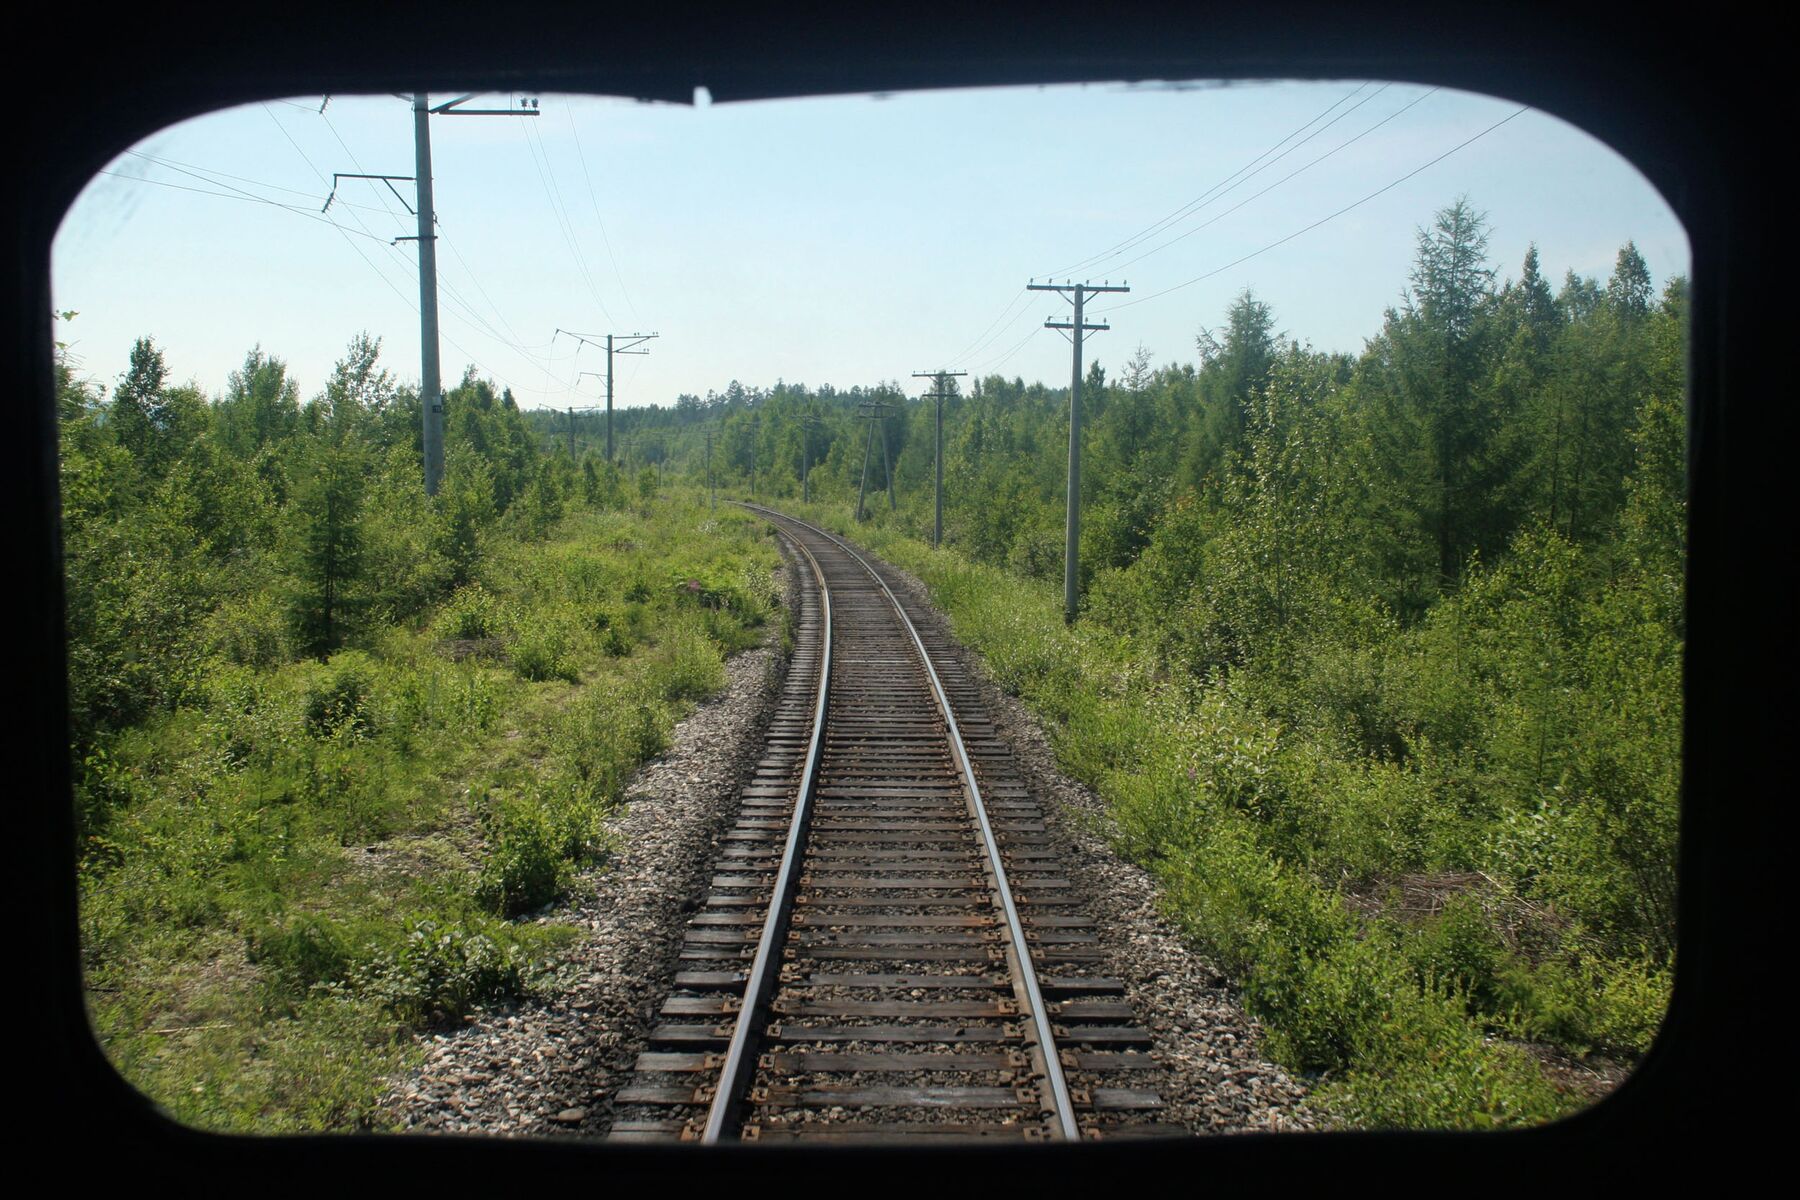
(306, 862)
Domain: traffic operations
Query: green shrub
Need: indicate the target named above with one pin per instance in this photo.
(252, 632)
(344, 783)
(1459, 949)
(1634, 1001)
(1433, 1070)
(542, 652)
(342, 696)
(474, 614)
(524, 867)
(687, 666)
(440, 969)
(301, 952)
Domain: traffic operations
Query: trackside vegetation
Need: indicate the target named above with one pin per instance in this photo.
(337, 748)
(1379, 666)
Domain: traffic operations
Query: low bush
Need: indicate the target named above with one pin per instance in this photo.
(523, 867)
(542, 653)
(474, 614)
(342, 696)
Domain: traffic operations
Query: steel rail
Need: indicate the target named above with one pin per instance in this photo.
(1061, 1102)
(740, 1059)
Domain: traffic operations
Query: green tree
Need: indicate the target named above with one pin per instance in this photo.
(261, 405)
(325, 511)
(1434, 419)
(1233, 365)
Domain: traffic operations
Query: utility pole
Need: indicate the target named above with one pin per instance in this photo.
(1073, 330)
(755, 430)
(937, 510)
(875, 412)
(712, 493)
(431, 390)
(808, 423)
(431, 398)
(625, 345)
(572, 414)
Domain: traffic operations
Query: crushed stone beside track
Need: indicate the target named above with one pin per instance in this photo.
(1219, 1081)
(550, 1068)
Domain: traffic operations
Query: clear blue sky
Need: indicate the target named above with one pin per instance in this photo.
(828, 240)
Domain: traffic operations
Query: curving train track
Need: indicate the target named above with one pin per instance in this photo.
(889, 949)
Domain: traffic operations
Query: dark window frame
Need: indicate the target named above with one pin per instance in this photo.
(1686, 104)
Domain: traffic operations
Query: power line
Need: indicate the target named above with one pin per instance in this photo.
(469, 315)
(386, 207)
(517, 343)
(1331, 217)
(569, 111)
(267, 111)
(993, 364)
(982, 339)
(559, 210)
(995, 330)
(473, 318)
(1300, 170)
(1202, 199)
(370, 263)
(246, 198)
(210, 175)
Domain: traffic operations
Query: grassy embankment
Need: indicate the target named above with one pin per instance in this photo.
(1285, 846)
(310, 862)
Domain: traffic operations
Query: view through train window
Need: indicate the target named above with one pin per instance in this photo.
(584, 618)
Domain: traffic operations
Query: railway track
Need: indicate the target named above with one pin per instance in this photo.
(889, 949)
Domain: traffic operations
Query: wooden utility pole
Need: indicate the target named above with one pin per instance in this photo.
(712, 493)
(875, 412)
(1073, 330)
(808, 423)
(573, 413)
(937, 508)
(625, 344)
(431, 390)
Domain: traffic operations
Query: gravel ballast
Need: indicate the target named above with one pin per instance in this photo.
(1218, 1080)
(551, 1068)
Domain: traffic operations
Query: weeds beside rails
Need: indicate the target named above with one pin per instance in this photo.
(293, 872)
(1398, 1024)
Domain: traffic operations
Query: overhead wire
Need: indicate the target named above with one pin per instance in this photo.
(244, 197)
(569, 112)
(559, 210)
(1205, 197)
(995, 363)
(1298, 171)
(1388, 187)
(982, 339)
(210, 175)
(1243, 174)
(410, 303)
(468, 313)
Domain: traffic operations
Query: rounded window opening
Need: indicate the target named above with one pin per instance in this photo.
(421, 462)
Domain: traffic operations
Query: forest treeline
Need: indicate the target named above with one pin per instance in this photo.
(259, 527)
